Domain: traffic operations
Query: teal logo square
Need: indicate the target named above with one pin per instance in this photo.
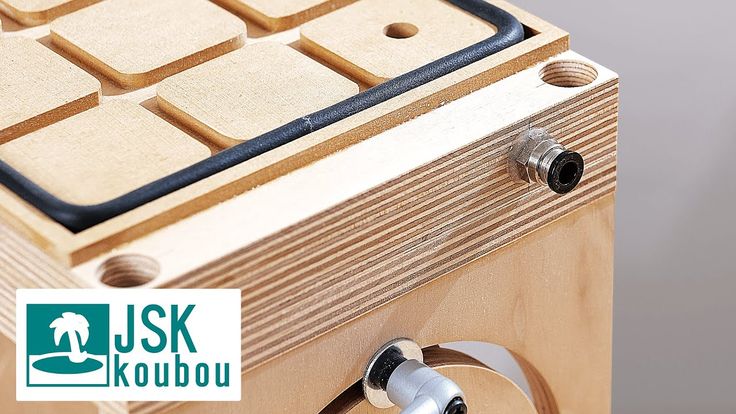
(68, 345)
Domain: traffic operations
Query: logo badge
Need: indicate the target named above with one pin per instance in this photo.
(67, 345)
(134, 345)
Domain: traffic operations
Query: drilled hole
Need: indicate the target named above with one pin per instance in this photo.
(400, 30)
(129, 270)
(568, 173)
(568, 74)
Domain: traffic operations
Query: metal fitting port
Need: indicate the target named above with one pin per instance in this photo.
(536, 157)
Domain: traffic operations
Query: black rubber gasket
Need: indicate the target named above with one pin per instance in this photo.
(80, 217)
(565, 172)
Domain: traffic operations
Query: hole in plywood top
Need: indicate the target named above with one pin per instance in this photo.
(400, 30)
(128, 270)
(568, 74)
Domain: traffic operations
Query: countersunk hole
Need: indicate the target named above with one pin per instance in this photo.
(400, 30)
(128, 270)
(568, 74)
(568, 173)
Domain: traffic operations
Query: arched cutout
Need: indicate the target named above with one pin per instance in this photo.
(447, 360)
(495, 357)
(515, 367)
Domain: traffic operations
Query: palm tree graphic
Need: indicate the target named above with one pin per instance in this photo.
(71, 324)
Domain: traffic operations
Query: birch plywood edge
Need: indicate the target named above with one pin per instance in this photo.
(546, 41)
(563, 346)
(441, 198)
(367, 238)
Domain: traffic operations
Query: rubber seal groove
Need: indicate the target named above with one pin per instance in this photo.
(77, 218)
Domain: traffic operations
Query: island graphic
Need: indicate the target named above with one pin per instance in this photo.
(68, 345)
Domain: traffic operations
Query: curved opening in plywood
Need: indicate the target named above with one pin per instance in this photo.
(483, 356)
(515, 367)
(568, 73)
(496, 357)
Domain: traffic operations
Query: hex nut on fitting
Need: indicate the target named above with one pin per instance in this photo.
(536, 157)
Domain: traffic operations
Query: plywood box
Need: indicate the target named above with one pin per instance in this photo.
(402, 220)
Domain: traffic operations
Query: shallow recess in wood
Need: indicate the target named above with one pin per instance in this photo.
(400, 30)
(568, 74)
(128, 270)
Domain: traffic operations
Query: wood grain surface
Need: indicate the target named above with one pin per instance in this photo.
(39, 87)
(36, 12)
(140, 42)
(357, 39)
(277, 15)
(546, 40)
(359, 239)
(390, 223)
(240, 96)
(108, 151)
(547, 298)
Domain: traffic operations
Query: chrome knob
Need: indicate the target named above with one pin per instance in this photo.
(396, 375)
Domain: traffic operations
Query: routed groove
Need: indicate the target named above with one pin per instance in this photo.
(80, 217)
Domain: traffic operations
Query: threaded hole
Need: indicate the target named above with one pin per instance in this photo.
(128, 270)
(568, 74)
(400, 30)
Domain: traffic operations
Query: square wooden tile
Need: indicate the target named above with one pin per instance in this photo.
(35, 12)
(376, 40)
(102, 153)
(251, 91)
(39, 87)
(139, 42)
(282, 14)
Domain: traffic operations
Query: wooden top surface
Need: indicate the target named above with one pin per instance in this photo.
(282, 14)
(36, 85)
(282, 8)
(77, 248)
(376, 40)
(583, 118)
(240, 96)
(35, 12)
(108, 151)
(34, 5)
(130, 40)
